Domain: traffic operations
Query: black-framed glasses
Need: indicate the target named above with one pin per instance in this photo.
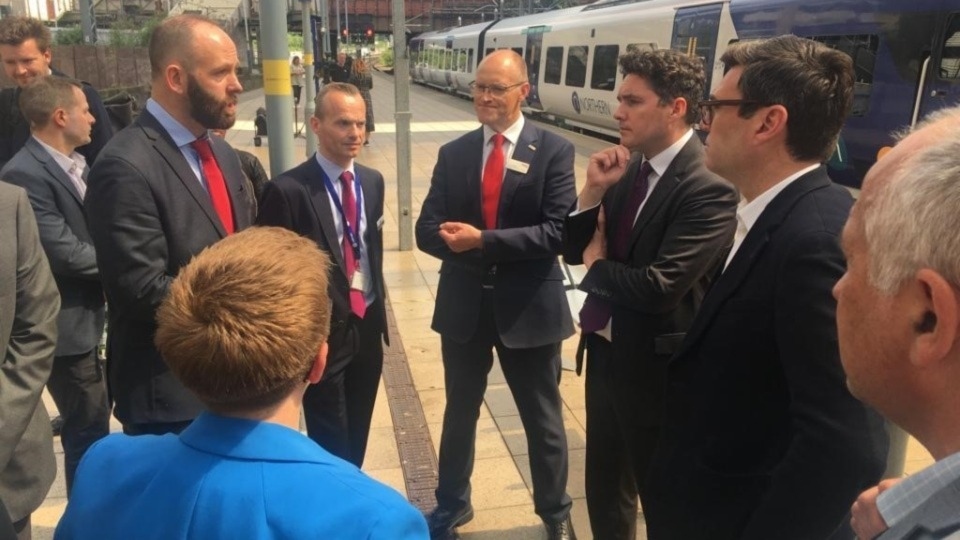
(496, 90)
(708, 107)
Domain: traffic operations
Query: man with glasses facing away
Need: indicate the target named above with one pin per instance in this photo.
(761, 437)
(494, 214)
(651, 231)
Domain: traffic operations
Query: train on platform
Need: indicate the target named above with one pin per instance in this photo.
(906, 54)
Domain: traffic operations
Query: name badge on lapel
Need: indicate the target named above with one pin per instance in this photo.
(518, 166)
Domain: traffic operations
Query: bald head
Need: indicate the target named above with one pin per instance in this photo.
(508, 61)
(174, 40)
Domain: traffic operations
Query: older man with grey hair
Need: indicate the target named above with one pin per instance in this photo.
(898, 314)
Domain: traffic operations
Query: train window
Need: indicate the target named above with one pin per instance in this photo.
(604, 74)
(518, 50)
(950, 55)
(488, 51)
(551, 74)
(863, 50)
(577, 66)
(469, 60)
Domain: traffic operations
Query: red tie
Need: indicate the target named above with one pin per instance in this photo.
(492, 180)
(216, 186)
(357, 304)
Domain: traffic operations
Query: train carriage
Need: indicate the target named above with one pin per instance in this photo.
(906, 56)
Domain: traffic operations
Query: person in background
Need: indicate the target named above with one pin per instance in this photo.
(362, 78)
(54, 175)
(296, 78)
(25, 51)
(244, 327)
(28, 335)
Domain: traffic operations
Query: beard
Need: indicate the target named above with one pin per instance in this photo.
(206, 109)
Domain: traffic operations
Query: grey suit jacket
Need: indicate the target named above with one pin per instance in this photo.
(148, 215)
(66, 242)
(28, 333)
(529, 303)
(937, 518)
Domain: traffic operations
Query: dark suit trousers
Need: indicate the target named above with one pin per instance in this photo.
(619, 450)
(533, 376)
(338, 410)
(77, 386)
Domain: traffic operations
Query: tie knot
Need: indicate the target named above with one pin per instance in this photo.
(202, 146)
(346, 177)
(645, 169)
(497, 141)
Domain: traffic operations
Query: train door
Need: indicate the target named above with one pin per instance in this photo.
(534, 48)
(940, 81)
(695, 33)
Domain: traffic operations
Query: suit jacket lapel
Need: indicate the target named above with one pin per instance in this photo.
(233, 176)
(671, 177)
(167, 149)
(473, 162)
(370, 197)
(750, 250)
(53, 168)
(524, 152)
(313, 183)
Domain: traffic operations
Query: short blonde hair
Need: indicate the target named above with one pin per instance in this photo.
(244, 320)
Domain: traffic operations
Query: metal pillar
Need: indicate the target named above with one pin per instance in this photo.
(401, 76)
(277, 90)
(87, 22)
(308, 106)
(325, 25)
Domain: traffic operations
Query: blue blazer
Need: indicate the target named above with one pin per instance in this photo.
(229, 478)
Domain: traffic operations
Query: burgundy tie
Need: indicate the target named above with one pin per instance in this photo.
(216, 185)
(357, 303)
(492, 180)
(596, 312)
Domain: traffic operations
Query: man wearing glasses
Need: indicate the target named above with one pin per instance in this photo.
(652, 231)
(494, 215)
(761, 437)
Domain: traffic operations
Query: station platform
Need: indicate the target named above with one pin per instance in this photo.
(405, 432)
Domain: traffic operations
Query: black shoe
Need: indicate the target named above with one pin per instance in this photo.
(442, 521)
(562, 530)
(56, 424)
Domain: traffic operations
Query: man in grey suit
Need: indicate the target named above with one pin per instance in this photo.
(898, 315)
(54, 175)
(652, 231)
(28, 333)
(158, 195)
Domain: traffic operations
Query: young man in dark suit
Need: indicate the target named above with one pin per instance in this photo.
(761, 438)
(494, 215)
(28, 337)
(54, 175)
(651, 231)
(25, 51)
(156, 197)
(338, 203)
